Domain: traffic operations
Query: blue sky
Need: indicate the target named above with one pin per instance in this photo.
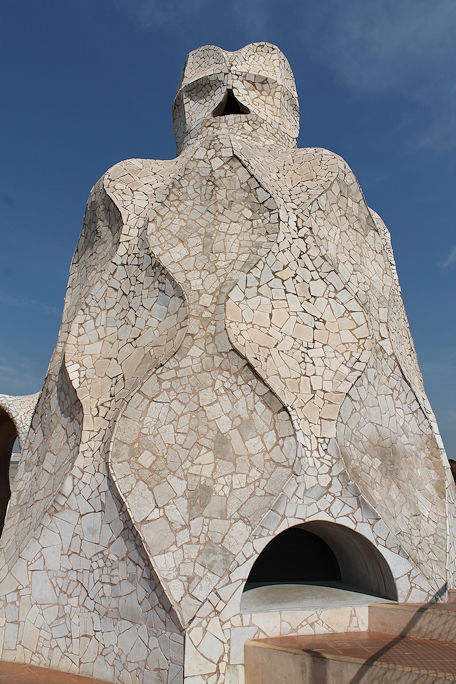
(87, 83)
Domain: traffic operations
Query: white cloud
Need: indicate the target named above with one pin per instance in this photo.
(451, 258)
(383, 46)
(405, 48)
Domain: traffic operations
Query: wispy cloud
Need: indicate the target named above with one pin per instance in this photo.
(400, 47)
(26, 303)
(381, 46)
(451, 258)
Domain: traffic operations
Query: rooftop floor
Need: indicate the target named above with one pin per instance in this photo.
(302, 597)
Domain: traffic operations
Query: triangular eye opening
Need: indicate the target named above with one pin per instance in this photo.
(230, 105)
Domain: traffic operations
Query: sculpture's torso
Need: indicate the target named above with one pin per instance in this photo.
(215, 446)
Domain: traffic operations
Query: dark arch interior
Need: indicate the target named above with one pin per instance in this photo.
(323, 553)
(296, 555)
(230, 105)
(8, 435)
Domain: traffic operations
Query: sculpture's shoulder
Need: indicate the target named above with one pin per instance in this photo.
(330, 171)
(322, 162)
(134, 182)
(305, 173)
(126, 190)
(318, 155)
(300, 175)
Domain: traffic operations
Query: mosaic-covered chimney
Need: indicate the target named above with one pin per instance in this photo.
(234, 387)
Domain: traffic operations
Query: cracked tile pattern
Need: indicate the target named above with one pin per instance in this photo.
(234, 359)
(204, 447)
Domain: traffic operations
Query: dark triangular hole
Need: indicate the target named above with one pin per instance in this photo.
(230, 105)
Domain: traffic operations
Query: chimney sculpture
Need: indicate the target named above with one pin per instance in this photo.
(234, 360)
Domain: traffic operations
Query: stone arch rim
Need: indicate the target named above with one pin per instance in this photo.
(336, 535)
(363, 566)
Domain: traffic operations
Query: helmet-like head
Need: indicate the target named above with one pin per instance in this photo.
(250, 92)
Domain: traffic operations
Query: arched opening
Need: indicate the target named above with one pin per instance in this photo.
(8, 437)
(295, 555)
(304, 560)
